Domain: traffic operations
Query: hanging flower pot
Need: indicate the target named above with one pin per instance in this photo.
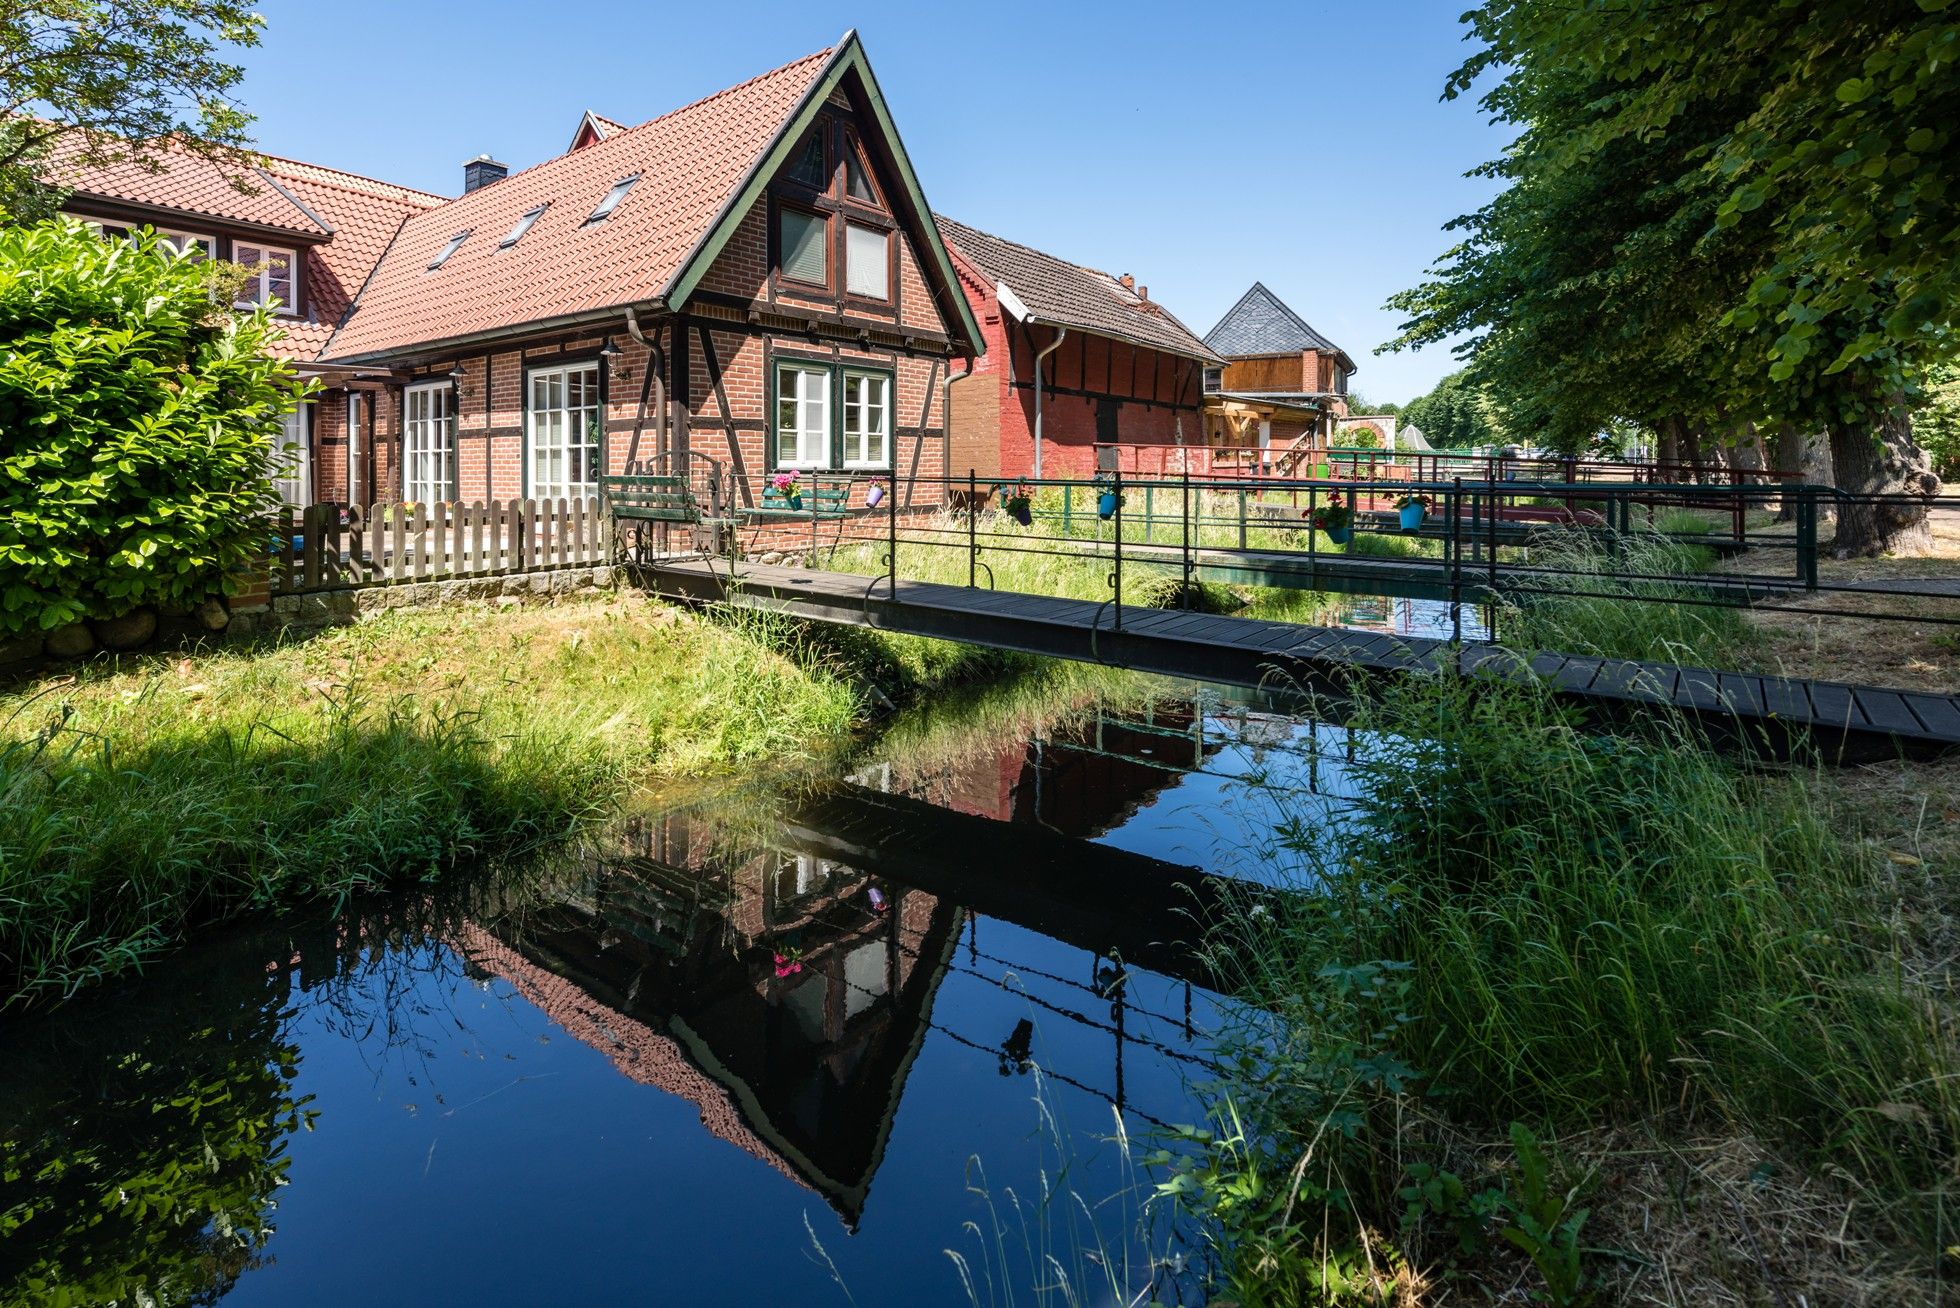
(1021, 512)
(1340, 535)
(1106, 504)
(1336, 518)
(1413, 509)
(875, 496)
(1017, 502)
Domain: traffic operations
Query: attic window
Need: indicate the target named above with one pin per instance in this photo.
(523, 225)
(613, 197)
(455, 244)
(857, 182)
(809, 170)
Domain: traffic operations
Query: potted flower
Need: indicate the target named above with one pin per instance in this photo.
(1413, 508)
(874, 495)
(1336, 518)
(789, 485)
(789, 961)
(1107, 502)
(1019, 502)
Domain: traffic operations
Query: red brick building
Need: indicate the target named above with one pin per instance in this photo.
(754, 279)
(1086, 361)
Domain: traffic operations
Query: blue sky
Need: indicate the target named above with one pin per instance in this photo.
(1197, 147)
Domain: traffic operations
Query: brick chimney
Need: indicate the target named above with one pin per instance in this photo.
(481, 171)
(1143, 292)
(1129, 282)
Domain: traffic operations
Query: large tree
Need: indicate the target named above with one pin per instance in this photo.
(1717, 220)
(106, 80)
(1454, 415)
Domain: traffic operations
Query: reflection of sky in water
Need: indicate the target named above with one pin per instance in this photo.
(613, 1098)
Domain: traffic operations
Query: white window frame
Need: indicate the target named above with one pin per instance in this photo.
(262, 275)
(864, 435)
(428, 443)
(179, 240)
(884, 293)
(815, 401)
(290, 461)
(569, 431)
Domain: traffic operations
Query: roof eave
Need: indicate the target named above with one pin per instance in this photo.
(179, 217)
(444, 345)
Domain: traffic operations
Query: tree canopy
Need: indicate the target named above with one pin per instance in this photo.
(1719, 221)
(1454, 415)
(113, 80)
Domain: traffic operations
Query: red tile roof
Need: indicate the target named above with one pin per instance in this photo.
(365, 215)
(689, 163)
(188, 183)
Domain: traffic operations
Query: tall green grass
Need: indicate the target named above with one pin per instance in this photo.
(1611, 617)
(1526, 921)
(138, 800)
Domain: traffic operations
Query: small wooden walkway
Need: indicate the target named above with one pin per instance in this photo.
(1845, 721)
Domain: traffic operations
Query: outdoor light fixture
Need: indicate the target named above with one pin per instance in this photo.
(610, 352)
(457, 374)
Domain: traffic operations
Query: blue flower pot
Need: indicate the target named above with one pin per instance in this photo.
(1106, 505)
(1021, 513)
(1340, 535)
(1412, 515)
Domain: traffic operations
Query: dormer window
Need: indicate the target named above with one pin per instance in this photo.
(1214, 380)
(270, 279)
(611, 202)
(455, 244)
(522, 225)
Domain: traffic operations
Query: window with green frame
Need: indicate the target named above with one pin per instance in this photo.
(831, 415)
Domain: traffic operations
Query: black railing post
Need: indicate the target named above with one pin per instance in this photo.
(972, 518)
(1490, 541)
(1116, 577)
(1807, 537)
(891, 541)
(1184, 599)
(1313, 507)
(1456, 562)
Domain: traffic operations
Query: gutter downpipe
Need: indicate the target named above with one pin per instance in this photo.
(1061, 334)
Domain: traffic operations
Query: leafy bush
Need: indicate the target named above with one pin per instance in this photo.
(138, 417)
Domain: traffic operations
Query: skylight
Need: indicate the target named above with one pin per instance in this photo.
(523, 225)
(455, 244)
(613, 197)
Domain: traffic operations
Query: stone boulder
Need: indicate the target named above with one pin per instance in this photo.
(131, 631)
(214, 615)
(70, 642)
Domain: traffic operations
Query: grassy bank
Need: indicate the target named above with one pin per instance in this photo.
(1543, 972)
(140, 798)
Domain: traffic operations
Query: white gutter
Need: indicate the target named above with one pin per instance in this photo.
(1061, 334)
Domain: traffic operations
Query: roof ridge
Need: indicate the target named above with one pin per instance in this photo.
(1022, 245)
(625, 132)
(272, 160)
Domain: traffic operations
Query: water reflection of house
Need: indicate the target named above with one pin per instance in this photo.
(1083, 778)
(784, 995)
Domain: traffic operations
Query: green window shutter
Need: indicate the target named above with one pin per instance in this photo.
(805, 240)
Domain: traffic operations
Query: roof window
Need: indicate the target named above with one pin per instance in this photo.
(455, 244)
(613, 197)
(522, 225)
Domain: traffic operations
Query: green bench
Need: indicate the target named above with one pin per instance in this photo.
(824, 499)
(638, 502)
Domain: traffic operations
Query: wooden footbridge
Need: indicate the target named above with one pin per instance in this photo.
(1843, 721)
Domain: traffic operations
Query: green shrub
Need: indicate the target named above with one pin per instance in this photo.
(138, 419)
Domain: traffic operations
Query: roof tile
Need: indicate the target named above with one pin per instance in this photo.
(1261, 323)
(186, 182)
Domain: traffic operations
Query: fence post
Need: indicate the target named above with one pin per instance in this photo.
(1068, 507)
(1116, 577)
(1184, 504)
(972, 519)
(1807, 538)
(1242, 517)
(891, 543)
(1456, 562)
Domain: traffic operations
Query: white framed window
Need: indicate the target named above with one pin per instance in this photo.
(290, 459)
(563, 432)
(1214, 380)
(191, 245)
(802, 416)
(271, 279)
(867, 262)
(428, 443)
(867, 419)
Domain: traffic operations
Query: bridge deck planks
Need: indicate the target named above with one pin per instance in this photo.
(1249, 651)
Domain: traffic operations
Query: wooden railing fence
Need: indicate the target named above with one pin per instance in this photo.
(332, 547)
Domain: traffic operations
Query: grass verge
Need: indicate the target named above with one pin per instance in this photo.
(1531, 945)
(143, 797)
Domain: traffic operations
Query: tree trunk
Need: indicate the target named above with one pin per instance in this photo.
(1885, 462)
(1783, 456)
(1667, 446)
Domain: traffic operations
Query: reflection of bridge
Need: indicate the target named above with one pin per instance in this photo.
(785, 984)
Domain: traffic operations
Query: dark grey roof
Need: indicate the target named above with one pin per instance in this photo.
(1069, 295)
(1260, 323)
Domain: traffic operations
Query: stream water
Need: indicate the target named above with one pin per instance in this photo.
(772, 1044)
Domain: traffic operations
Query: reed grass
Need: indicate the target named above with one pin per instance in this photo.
(1523, 921)
(140, 798)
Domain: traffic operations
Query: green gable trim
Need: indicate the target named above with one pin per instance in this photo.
(848, 56)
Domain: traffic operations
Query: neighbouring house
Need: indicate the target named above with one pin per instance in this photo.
(1083, 371)
(1283, 386)
(753, 279)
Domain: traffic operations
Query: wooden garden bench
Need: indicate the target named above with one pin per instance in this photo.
(824, 499)
(637, 501)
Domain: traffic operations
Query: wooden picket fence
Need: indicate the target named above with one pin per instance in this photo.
(330, 547)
